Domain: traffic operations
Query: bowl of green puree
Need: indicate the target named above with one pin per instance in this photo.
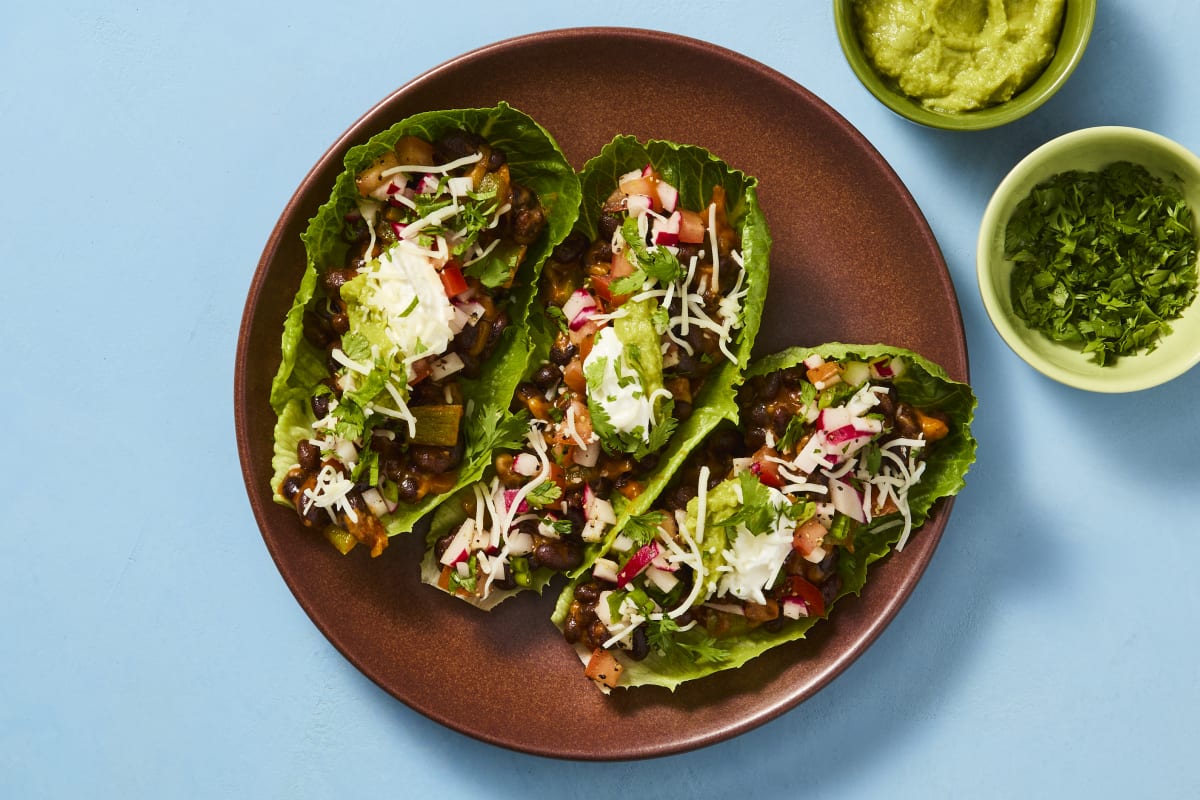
(963, 64)
(1087, 259)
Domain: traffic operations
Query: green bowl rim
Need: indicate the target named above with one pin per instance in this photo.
(1079, 16)
(1002, 319)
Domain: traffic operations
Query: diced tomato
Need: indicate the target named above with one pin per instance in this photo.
(691, 227)
(453, 280)
(600, 286)
(811, 595)
(603, 667)
(767, 469)
(808, 537)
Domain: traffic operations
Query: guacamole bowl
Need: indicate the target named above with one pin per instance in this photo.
(1073, 35)
(1089, 150)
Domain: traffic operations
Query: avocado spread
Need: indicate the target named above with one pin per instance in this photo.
(959, 55)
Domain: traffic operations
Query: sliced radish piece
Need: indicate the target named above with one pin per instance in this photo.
(526, 464)
(457, 551)
(665, 581)
(668, 195)
(638, 204)
(637, 564)
(606, 570)
(846, 499)
(375, 502)
(445, 366)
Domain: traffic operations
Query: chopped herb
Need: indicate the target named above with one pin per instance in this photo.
(642, 528)
(1102, 259)
(544, 494)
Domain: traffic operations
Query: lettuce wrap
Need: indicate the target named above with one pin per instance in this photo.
(840, 454)
(651, 309)
(408, 333)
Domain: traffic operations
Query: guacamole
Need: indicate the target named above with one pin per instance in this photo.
(959, 55)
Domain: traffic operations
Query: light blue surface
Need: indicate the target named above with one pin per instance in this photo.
(148, 646)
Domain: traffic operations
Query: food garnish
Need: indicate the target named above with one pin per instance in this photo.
(839, 456)
(409, 319)
(1103, 260)
(652, 307)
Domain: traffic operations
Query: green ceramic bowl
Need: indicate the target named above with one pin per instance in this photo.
(1076, 29)
(1087, 149)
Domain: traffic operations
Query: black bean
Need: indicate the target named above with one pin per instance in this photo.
(602, 487)
(563, 351)
(430, 459)
(456, 144)
(320, 405)
(291, 486)
(309, 455)
(608, 224)
(639, 647)
(559, 555)
(587, 593)
(547, 376)
(496, 160)
(571, 248)
(408, 488)
(767, 387)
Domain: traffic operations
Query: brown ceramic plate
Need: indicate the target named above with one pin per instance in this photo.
(853, 260)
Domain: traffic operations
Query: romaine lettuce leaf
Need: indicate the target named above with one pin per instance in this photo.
(534, 160)
(694, 171)
(925, 385)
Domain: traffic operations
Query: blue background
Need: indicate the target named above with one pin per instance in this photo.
(148, 646)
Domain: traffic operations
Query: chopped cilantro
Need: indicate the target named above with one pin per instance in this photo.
(544, 494)
(642, 528)
(1102, 259)
(756, 512)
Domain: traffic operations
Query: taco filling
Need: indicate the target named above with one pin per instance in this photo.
(640, 315)
(438, 232)
(767, 525)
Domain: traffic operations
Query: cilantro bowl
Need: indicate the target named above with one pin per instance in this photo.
(1088, 318)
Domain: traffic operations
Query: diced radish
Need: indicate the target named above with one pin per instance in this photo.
(638, 204)
(480, 539)
(632, 175)
(587, 456)
(668, 195)
(460, 186)
(834, 418)
(812, 455)
(666, 230)
(428, 184)
(457, 551)
(847, 500)
(579, 308)
(664, 580)
(648, 171)
(375, 502)
(601, 509)
(526, 464)
(794, 608)
(816, 556)
(844, 434)
(813, 361)
(398, 228)
(606, 570)
(622, 544)
(345, 450)
(510, 495)
(636, 564)
(445, 366)
(593, 530)
(520, 543)
(660, 562)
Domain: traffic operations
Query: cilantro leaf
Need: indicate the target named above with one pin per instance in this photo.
(1102, 260)
(643, 528)
(544, 494)
(756, 512)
